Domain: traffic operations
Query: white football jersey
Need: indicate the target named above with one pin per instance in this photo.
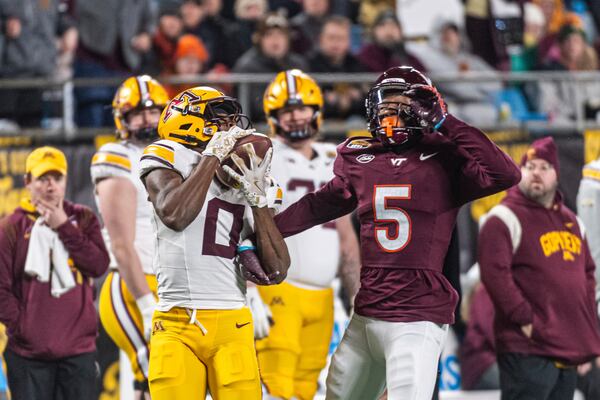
(195, 268)
(123, 160)
(314, 253)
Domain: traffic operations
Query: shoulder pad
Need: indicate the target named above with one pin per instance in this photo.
(160, 154)
(170, 155)
(111, 160)
(327, 150)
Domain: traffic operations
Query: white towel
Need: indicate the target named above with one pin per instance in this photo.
(45, 245)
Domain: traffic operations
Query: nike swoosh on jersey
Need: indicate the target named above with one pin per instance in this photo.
(424, 157)
(241, 325)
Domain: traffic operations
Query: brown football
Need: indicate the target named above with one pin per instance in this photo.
(261, 144)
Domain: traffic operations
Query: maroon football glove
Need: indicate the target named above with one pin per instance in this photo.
(253, 271)
(428, 105)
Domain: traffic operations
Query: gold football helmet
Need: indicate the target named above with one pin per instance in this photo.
(291, 88)
(137, 92)
(196, 114)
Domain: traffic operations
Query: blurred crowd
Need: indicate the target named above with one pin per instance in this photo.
(60, 39)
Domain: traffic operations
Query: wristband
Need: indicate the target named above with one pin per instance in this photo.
(245, 248)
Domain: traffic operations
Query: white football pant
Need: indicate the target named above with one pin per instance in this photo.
(375, 354)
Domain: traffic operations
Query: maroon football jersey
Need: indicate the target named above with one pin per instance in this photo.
(407, 202)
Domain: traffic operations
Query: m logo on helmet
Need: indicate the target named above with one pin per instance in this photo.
(181, 104)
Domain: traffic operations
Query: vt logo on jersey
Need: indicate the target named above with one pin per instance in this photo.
(564, 241)
(396, 162)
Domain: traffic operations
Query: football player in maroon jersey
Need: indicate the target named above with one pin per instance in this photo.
(407, 183)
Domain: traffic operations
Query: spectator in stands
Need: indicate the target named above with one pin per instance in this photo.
(478, 366)
(270, 54)
(472, 102)
(549, 45)
(333, 56)
(559, 99)
(248, 13)
(50, 251)
(387, 48)
(190, 58)
(218, 35)
(492, 27)
(33, 36)
(114, 37)
(369, 10)
(534, 32)
(307, 25)
(161, 60)
(536, 265)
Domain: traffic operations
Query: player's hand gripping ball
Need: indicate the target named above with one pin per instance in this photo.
(261, 144)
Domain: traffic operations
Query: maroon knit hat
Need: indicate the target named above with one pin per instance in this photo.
(543, 148)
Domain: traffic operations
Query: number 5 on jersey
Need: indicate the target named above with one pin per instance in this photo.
(384, 213)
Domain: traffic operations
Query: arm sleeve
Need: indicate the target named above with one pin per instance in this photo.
(9, 304)
(486, 169)
(85, 244)
(494, 255)
(332, 201)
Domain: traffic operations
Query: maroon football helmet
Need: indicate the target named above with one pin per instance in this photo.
(385, 109)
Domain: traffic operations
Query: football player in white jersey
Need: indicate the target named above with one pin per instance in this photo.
(293, 355)
(202, 329)
(127, 298)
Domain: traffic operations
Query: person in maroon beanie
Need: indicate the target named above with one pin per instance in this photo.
(50, 249)
(536, 265)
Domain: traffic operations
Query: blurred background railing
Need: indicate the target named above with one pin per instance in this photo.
(58, 108)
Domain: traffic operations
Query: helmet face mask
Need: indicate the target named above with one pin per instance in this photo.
(148, 130)
(295, 130)
(390, 117)
(137, 93)
(290, 89)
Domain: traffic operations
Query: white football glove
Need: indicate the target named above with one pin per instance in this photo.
(146, 304)
(222, 142)
(261, 314)
(253, 182)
